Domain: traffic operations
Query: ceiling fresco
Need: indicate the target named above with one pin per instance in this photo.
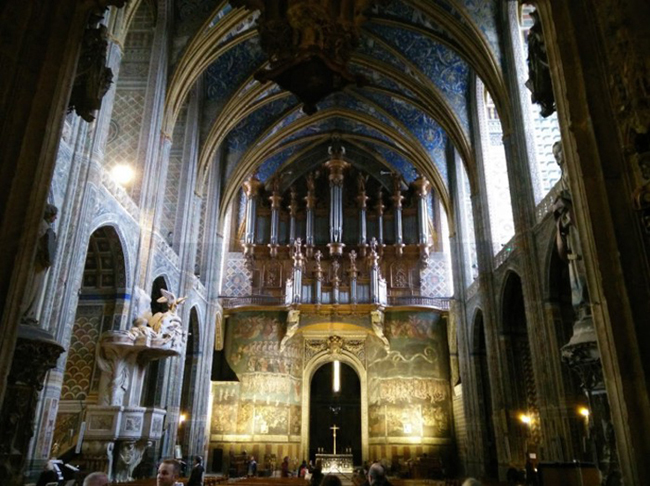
(413, 104)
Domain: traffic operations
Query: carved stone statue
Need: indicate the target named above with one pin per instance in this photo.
(377, 320)
(45, 254)
(293, 322)
(93, 78)
(539, 74)
(168, 325)
(568, 240)
(129, 455)
(298, 257)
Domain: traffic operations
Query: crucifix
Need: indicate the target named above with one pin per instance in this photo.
(334, 429)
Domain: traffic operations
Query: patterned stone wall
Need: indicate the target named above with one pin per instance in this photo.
(80, 365)
(409, 397)
(125, 126)
(435, 278)
(237, 278)
(174, 170)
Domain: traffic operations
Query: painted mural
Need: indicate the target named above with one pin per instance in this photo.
(267, 399)
(409, 392)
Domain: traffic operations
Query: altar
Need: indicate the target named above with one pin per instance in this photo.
(335, 463)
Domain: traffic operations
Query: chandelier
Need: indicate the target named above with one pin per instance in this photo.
(309, 44)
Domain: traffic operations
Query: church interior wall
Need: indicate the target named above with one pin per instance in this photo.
(167, 231)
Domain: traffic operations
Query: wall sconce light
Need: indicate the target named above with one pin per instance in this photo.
(525, 419)
(584, 411)
(182, 418)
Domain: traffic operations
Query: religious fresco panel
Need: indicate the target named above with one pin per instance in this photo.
(269, 396)
(408, 384)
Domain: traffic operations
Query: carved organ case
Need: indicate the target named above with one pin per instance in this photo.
(336, 233)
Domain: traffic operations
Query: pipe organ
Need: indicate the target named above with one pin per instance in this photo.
(338, 235)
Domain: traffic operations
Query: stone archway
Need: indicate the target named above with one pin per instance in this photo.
(310, 368)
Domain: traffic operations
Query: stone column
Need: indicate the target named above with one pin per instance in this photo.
(422, 190)
(362, 200)
(397, 211)
(310, 201)
(293, 213)
(251, 190)
(336, 166)
(276, 199)
(36, 353)
(581, 352)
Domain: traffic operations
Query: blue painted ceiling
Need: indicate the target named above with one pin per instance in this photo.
(407, 58)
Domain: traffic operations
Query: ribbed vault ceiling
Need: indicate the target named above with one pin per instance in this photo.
(420, 57)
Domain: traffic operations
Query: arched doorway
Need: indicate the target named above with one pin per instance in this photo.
(522, 391)
(99, 309)
(484, 389)
(341, 408)
(189, 390)
(310, 368)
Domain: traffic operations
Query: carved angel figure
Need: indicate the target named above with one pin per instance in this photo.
(168, 325)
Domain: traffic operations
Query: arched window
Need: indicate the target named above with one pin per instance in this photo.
(502, 226)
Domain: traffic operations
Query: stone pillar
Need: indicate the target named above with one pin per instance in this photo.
(581, 352)
(362, 200)
(276, 199)
(422, 190)
(293, 213)
(397, 211)
(336, 166)
(36, 353)
(251, 190)
(310, 201)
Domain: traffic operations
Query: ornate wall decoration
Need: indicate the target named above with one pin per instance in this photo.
(309, 40)
(81, 357)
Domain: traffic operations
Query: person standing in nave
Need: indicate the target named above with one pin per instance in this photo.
(196, 476)
(317, 474)
(252, 467)
(285, 467)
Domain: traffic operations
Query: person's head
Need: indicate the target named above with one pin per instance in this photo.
(168, 472)
(96, 479)
(330, 480)
(198, 460)
(376, 473)
(471, 482)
